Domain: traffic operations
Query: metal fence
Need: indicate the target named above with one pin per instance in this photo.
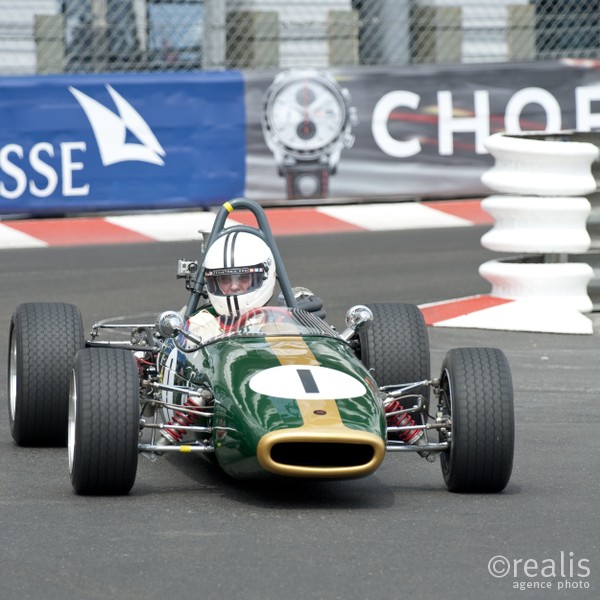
(79, 36)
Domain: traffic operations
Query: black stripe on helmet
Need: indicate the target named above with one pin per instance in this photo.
(229, 249)
(233, 306)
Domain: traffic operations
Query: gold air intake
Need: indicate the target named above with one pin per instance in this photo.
(327, 453)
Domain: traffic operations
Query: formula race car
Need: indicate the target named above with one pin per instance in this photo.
(277, 391)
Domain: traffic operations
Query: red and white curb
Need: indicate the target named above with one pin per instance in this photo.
(181, 226)
(504, 314)
(476, 312)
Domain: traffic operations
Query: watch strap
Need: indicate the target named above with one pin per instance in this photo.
(307, 181)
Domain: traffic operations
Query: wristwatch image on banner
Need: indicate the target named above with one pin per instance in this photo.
(307, 121)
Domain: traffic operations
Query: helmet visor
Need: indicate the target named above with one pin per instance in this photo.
(234, 281)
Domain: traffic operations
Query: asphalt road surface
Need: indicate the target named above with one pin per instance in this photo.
(188, 531)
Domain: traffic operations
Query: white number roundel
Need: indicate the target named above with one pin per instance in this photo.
(306, 382)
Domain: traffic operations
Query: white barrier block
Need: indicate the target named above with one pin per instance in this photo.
(540, 167)
(537, 224)
(558, 286)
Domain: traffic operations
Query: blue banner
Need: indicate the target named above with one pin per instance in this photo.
(120, 141)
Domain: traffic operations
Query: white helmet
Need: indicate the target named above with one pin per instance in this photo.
(239, 271)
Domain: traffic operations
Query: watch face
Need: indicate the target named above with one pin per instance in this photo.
(306, 115)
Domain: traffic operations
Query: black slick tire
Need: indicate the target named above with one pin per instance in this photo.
(104, 422)
(395, 345)
(477, 395)
(44, 338)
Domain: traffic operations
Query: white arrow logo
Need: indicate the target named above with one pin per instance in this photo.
(110, 130)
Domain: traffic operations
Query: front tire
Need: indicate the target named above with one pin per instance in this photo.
(43, 340)
(104, 422)
(477, 395)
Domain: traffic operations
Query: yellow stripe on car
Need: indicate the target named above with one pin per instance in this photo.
(322, 424)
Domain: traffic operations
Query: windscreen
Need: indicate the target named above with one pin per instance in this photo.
(272, 321)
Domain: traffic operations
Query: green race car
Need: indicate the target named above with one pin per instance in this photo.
(279, 392)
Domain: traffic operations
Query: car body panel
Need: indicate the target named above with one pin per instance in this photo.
(282, 393)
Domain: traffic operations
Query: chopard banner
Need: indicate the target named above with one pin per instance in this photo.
(120, 141)
(415, 131)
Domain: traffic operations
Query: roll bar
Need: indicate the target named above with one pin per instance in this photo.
(263, 231)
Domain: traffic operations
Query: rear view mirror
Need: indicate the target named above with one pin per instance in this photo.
(358, 317)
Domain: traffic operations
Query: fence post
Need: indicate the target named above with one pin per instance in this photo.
(252, 39)
(342, 36)
(437, 34)
(520, 32)
(49, 43)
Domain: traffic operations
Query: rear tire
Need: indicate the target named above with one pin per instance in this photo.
(477, 395)
(395, 345)
(104, 422)
(44, 338)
